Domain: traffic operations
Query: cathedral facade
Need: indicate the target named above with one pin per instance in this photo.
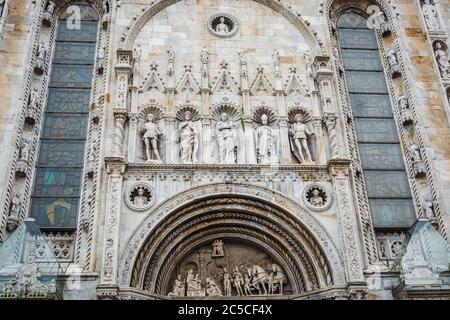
(200, 149)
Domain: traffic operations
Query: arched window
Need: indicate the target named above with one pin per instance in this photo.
(388, 190)
(58, 174)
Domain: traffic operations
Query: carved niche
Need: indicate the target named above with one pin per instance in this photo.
(223, 25)
(300, 134)
(140, 196)
(241, 269)
(151, 131)
(267, 140)
(226, 116)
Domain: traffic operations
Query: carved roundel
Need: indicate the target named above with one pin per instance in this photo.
(317, 197)
(140, 196)
(223, 25)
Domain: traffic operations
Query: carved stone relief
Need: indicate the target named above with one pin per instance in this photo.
(242, 270)
(140, 196)
(223, 25)
(317, 197)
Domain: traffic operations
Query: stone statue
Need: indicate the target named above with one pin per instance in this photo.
(171, 59)
(41, 52)
(188, 140)
(16, 205)
(404, 109)
(34, 98)
(217, 249)
(299, 133)
(178, 288)
(222, 27)
(105, 6)
(212, 289)
(238, 281)
(25, 149)
(316, 200)
(442, 60)
(227, 282)
(393, 62)
(50, 7)
(140, 200)
(225, 134)
(247, 285)
(278, 277)
(266, 143)
(414, 153)
(431, 16)
(428, 208)
(151, 134)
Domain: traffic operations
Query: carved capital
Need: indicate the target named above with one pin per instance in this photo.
(330, 119)
(120, 113)
(115, 165)
(338, 167)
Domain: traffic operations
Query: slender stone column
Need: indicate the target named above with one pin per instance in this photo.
(347, 221)
(110, 254)
(120, 118)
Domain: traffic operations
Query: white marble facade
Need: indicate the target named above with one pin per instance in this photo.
(226, 112)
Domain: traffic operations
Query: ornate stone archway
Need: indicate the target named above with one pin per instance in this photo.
(263, 219)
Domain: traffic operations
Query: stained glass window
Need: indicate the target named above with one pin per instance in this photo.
(56, 193)
(387, 184)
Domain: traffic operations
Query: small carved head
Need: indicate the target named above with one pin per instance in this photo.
(150, 117)
(224, 117)
(298, 118)
(264, 119)
(141, 192)
(187, 116)
(222, 19)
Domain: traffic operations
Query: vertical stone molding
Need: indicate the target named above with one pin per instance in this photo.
(115, 170)
(120, 119)
(347, 219)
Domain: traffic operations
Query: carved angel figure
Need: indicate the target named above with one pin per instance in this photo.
(299, 133)
(266, 143)
(188, 140)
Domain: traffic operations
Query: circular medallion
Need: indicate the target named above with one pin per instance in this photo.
(140, 196)
(223, 25)
(317, 197)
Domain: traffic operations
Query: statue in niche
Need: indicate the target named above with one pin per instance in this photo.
(140, 200)
(151, 134)
(50, 7)
(266, 143)
(188, 140)
(393, 62)
(316, 200)
(226, 138)
(299, 133)
(404, 109)
(178, 288)
(16, 205)
(33, 101)
(227, 279)
(217, 249)
(212, 289)
(238, 281)
(428, 208)
(442, 60)
(222, 27)
(41, 52)
(431, 16)
(25, 149)
(414, 153)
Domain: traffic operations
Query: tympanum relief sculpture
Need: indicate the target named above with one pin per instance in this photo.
(236, 273)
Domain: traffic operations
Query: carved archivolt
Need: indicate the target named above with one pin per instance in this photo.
(288, 233)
